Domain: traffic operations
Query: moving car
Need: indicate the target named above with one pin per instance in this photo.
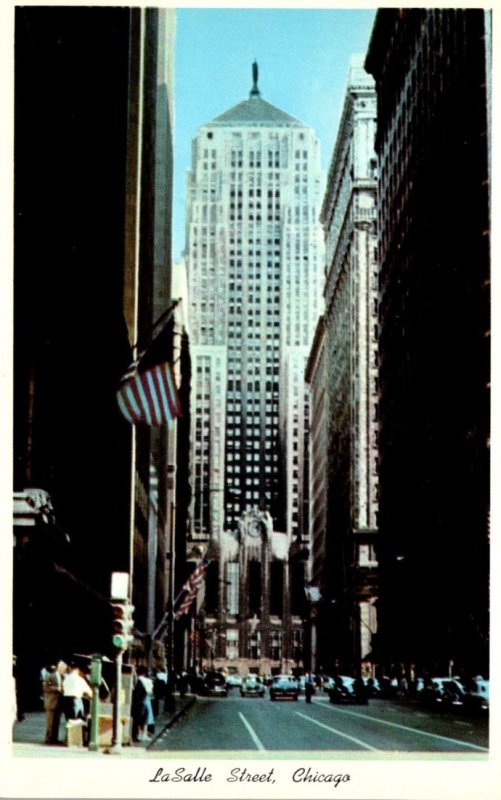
(252, 686)
(214, 684)
(284, 687)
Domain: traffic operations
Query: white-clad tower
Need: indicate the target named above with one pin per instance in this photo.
(255, 264)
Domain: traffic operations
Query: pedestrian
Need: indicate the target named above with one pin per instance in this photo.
(52, 698)
(141, 709)
(75, 689)
(183, 683)
(403, 686)
(360, 690)
(309, 688)
(159, 689)
(17, 695)
(170, 700)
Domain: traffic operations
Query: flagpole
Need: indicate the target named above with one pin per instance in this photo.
(132, 507)
(157, 326)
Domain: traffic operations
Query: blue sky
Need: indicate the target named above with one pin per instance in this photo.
(303, 57)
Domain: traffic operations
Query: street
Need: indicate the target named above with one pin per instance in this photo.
(256, 724)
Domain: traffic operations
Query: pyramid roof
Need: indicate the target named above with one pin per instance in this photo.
(255, 111)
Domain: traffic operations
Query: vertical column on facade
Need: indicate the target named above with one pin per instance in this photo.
(243, 633)
(265, 593)
(286, 615)
(221, 609)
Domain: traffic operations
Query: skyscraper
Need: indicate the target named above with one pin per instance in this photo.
(254, 256)
(432, 71)
(343, 376)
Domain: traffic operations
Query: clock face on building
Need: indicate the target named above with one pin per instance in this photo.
(254, 528)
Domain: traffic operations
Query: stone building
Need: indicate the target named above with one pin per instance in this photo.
(93, 173)
(343, 377)
(254, 255)
(432, 75)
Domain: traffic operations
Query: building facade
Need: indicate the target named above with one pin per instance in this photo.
(93, 171)
(254, 254)
(432, 74)
(343, 374)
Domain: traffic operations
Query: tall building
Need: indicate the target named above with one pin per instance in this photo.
(254, 254)
(93, 172)
(432, 74)
(343, 364)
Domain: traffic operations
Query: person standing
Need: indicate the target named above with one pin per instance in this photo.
(52, 698)
(75, 688)
(309, 688)
(183, 683)
(142, 710)
(159, 689)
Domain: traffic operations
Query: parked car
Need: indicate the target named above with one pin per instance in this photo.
(252, 686)
(388, 687)
(215, 684)
(348, 690)
(372, 686)
(234, 679)
(476, 695)
(445, 693)
(284, 687)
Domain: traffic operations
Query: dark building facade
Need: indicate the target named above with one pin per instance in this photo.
(432, 79)
(93, 171)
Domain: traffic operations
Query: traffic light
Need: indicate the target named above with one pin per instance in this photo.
(122, 625)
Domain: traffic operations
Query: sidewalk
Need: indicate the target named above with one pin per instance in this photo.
(29, 735)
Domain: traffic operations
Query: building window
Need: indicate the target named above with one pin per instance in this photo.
(255, 645)
(367, 555)
(254, 588)
(233, 586)
(231, 644)
(297, 645)
(276, 645)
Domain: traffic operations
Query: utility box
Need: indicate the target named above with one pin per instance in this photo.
(75, 732)
(105, 725)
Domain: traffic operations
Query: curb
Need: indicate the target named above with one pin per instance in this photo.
(172, 720)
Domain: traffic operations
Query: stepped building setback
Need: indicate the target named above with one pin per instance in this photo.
(254, 257)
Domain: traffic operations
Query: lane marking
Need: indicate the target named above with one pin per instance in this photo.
(255, 738)
(339, 733)
(408, 728)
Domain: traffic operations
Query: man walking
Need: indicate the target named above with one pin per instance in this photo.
(75, 688)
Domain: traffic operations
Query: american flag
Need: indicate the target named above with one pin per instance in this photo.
(147, 393)
(191, 587)
(149, 397)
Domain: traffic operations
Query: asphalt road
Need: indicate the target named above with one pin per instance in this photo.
(236, 724)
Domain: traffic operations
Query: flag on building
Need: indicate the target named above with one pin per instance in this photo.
(147, 393)
(190, 588)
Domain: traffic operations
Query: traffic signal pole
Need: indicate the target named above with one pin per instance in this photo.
(95, 681)
(116, 742)
(122, 636)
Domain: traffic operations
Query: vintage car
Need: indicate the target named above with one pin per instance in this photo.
(284, 687)
(252, 686)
